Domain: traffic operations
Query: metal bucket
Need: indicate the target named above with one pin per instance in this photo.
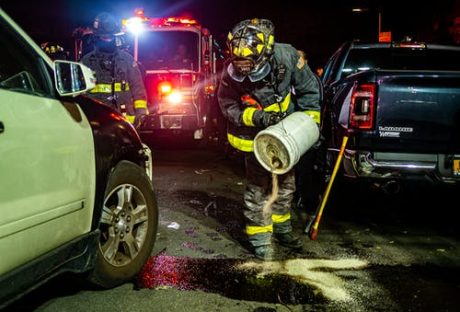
(279, 147)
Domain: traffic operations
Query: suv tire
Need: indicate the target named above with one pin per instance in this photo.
(128, 226)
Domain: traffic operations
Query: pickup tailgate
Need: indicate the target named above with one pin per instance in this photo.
(419, 111)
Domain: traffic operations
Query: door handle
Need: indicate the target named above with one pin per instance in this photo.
(2, 127)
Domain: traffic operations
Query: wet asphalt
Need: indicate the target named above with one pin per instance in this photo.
(374, 251)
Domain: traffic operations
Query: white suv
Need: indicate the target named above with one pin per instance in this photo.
(75, 186)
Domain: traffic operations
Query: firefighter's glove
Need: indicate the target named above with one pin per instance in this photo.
(266, 119)
(249, 101)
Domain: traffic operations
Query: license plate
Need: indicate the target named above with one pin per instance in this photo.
(456, 167)
(171, 122)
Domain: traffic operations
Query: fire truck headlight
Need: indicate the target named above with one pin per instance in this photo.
(135, 25)
(174, 97)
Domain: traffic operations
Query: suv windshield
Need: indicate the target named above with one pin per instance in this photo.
(401, 59)
(169, 50)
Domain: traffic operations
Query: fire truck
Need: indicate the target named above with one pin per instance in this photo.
(178, 58)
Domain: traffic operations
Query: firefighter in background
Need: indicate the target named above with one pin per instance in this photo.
(181, 59)
(118, 79)
(254, 93)
(54, 51)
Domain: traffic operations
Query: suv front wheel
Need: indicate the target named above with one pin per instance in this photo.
(128, 226)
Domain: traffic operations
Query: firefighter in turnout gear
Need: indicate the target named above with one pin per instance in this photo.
(118, 79)
(254, 93)
(54, 51)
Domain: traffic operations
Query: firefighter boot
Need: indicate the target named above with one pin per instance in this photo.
(283, 235)
(288, 240)
(261, 242)
(264, 252)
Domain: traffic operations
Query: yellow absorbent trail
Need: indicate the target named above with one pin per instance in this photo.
(268, 204)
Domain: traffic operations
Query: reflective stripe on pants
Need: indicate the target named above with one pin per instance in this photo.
(258, 190)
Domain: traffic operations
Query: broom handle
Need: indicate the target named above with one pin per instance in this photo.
(314, 229)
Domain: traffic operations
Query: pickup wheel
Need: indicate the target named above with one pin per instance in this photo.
(128, 226)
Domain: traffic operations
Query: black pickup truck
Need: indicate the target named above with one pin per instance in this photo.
(399, 104)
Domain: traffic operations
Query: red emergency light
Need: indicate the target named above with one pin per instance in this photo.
(173, 21)
(168, 94)
(136, 23)
(165, 87)
(181, 20)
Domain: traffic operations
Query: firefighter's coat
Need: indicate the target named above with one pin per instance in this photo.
(289, 86)
(121, 72)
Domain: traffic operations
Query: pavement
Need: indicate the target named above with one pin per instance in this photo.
(374, 252)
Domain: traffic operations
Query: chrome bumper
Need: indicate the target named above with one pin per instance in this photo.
(365, 164)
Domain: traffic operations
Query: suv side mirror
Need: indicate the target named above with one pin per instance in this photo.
(72, 78)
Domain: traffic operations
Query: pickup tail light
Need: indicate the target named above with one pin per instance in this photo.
(362, 106)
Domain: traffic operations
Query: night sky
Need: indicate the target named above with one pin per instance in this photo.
(317, 27)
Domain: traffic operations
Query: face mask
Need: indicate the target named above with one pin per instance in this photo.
(243, 66)
(261, 73)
